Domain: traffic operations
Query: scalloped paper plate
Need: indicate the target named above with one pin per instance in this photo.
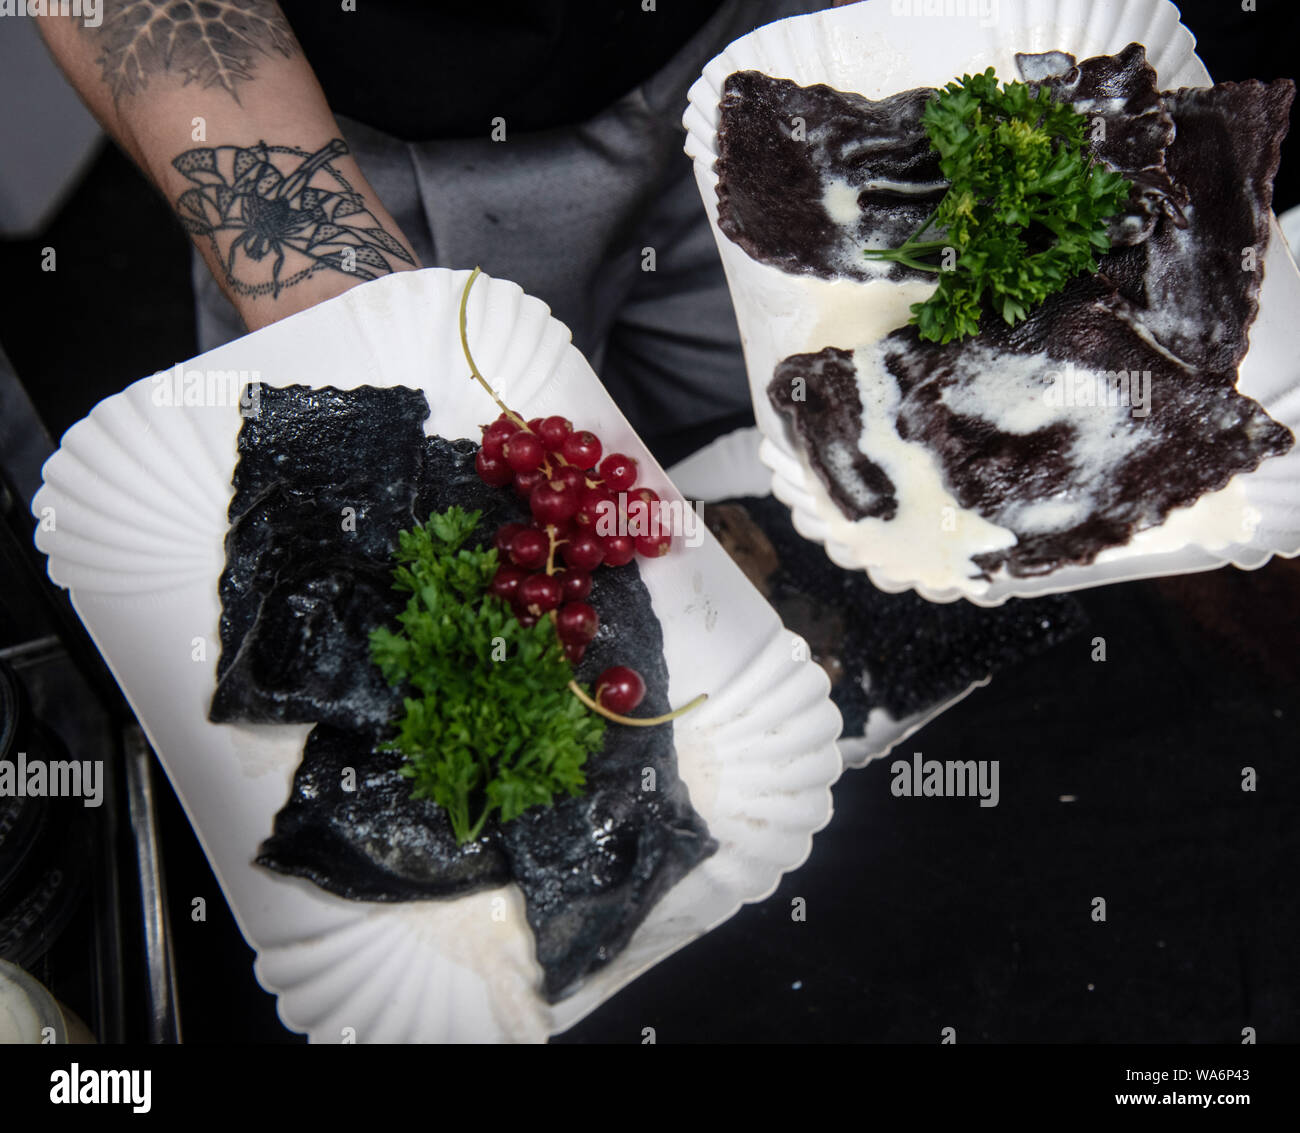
(133, 517)
(878, 48)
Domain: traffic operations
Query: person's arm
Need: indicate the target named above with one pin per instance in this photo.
(216, 103)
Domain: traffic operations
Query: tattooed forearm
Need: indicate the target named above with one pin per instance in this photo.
(214, 43)
(274, 216)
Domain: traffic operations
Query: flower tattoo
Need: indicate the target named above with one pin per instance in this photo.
(275, 216)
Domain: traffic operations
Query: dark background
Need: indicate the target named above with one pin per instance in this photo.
(921, 913)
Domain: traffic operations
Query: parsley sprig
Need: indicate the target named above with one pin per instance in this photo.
(490, 723)
(1025, 209)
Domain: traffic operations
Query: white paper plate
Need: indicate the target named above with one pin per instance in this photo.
(876, 49)
(134, 509)
(1289, 222)
(730, 466)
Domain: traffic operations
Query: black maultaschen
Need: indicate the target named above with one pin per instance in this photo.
(326, 480)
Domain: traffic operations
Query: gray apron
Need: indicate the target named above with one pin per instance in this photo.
(566, 214)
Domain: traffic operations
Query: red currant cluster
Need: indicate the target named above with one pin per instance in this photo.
(569, 488)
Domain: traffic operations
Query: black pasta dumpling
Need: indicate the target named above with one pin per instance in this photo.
(363, 837)
(325, 480)
(781, 147)
(302, 593)
(309, 559)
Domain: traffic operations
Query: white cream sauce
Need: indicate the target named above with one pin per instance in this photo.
(932, 540)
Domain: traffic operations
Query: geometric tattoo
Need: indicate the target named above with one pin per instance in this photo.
(209, 42)
(276, 215)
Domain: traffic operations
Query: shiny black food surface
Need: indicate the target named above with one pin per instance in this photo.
(308, 577)
(783, 148)
(895, 652)
(351, 826)
(592, 867)
(325, 480)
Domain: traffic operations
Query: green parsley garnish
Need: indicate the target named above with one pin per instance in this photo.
(490, 722)
(1025, 209)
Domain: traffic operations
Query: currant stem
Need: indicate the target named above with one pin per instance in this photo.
(636, 722)
(550, 553)
(473, 369)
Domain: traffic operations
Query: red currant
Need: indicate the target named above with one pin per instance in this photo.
(523, 452)
(571, 477)
(618, 472)
(496, 434)
(648, 495)
(529, 548)
(654, 546)
(553, 502)
(539, 593)
(506, 582)
(584, 551)
(552, 432)
(620, 689)
(576, 623)
(575, 585)
(641, 506)
(560, 532)
(581, 449)
(525, 482)
(590, 501)
(574, 652)
(619, 550)
(505, 533)
(492, 469)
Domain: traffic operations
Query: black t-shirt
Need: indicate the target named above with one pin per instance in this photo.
(421, 70)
